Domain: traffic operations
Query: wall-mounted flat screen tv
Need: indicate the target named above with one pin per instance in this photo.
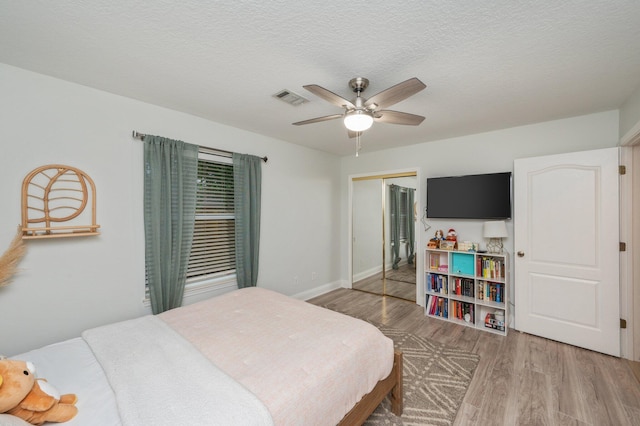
(486, 196)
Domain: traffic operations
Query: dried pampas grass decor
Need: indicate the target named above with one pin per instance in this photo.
(10, 258)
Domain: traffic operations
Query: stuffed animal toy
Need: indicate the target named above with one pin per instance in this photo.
(33, 400)
(435, 241)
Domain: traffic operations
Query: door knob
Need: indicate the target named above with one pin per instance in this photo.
(520, 254)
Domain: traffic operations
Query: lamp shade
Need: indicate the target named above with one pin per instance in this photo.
(495, 229)
(358, 120)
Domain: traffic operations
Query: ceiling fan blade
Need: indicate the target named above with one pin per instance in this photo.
(329, 96)
(397, 117)
(353, 134)
(395, 94)
(318, 119)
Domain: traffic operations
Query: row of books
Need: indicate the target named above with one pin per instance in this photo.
(437, 306)
(493, 292)
(463, 287)
(490, 267)
(437, 283)
(463, 311)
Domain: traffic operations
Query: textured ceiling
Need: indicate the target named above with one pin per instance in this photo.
(487, 65)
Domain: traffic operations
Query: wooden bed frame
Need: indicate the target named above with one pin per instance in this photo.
(391, 386)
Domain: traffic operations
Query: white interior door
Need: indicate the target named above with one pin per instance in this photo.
(567, 248)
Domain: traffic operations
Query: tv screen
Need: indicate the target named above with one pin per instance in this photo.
(486, 196)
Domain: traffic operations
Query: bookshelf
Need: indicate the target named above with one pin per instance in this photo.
(467, 288)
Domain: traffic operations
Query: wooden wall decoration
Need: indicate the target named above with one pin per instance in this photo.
(58, 201)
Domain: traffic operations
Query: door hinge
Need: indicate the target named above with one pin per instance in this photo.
(622, 170)
(623, 246)
(623, 323)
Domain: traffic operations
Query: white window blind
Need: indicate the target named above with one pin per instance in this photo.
(213, 249)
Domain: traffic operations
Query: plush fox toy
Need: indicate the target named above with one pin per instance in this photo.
(33, 400)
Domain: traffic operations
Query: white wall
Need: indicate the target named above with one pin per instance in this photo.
(480, 153)
(367, 228)
(68, 285)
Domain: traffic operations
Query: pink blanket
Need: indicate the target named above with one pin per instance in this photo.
(307, 364)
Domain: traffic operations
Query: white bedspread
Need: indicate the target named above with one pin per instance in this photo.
(161, 379)
(293, 363)
(71, 367)
(307, 364)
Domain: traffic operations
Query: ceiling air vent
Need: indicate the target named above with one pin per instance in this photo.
(291, 98)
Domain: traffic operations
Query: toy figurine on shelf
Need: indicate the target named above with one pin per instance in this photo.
(434, 243)
(452, 237)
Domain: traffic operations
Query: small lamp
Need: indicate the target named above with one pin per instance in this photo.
(495, 231)
(358, 120)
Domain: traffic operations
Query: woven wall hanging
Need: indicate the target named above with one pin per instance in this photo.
(58, 201)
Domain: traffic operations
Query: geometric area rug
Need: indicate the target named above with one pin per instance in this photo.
(436, 378)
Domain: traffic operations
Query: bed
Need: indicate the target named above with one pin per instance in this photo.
(250, 357)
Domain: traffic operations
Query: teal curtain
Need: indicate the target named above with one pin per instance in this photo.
(170, 175)
(410, 225)
(394, 210)
(247, 181)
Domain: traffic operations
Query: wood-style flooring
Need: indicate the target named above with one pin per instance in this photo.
(379, 285)
(521, 379)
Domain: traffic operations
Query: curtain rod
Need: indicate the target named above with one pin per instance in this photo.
(206, 150)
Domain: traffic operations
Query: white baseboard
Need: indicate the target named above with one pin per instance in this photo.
(368, 273)
(319, 291)
(376, 270)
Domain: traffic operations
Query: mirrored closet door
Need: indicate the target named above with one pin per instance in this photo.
(383, 235)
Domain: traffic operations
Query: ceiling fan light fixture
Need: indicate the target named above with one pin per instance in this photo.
(358, 120)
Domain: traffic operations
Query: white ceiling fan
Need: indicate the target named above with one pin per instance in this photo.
(360, 113)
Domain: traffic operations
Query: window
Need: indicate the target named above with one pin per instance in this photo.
(213, 249)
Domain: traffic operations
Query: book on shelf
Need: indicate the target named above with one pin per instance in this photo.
(437, 306)
(463, 287)
(490, 267)
(463, 311)
(434, 261)
(490, 291)
(437, 283)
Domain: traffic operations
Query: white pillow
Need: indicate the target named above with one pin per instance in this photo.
(9, 420)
